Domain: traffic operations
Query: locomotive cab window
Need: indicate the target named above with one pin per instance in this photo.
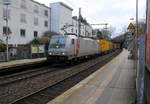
(58, 43)
(72, 41)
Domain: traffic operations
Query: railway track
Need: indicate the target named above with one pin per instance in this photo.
(4, 71)
(46, 82)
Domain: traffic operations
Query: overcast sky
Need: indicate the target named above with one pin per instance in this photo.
(116, 13)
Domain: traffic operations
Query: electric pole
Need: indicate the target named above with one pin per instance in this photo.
(79, 23)
(7, 3)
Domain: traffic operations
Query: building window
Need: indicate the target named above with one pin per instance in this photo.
(76, 31)
(35, 34)
(36, 9)
(23, 4)
(46, 23)
(23, 18)
(5, 30)
(6, 13)
(22, 32)
(46, 13)
(36, 21)
(72, 30)
(72, 41)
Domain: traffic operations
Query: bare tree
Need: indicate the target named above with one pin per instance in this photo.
(44, 39)
(107, 33)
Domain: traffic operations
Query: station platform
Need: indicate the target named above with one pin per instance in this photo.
(16, 63)
(114, 83)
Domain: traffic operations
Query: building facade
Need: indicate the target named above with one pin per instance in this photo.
(27, 20)
(61, 17)
(63, 22)
(86, 28)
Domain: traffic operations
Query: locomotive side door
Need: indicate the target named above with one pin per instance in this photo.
(77, 47)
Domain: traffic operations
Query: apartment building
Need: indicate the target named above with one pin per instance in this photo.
(61, 17)
(27, 19)
(86, 28)
(62, 20)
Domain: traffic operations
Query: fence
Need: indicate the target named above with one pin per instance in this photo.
(23, 52)
(2, 56)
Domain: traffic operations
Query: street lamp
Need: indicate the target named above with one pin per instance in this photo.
(7, 3)
(136, 35)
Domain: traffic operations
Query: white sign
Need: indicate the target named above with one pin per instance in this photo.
(38, 49)
(41, 49)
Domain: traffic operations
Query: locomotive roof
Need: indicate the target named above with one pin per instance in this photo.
(71, 36)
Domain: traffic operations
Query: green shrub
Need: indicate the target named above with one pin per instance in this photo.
(2, 47)
(35, 41)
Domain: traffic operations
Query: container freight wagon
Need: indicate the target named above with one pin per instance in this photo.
(118, 46)
(111, 47)
(105, 46)
(114, 46)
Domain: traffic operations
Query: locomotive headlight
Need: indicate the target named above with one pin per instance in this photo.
(50, 53)
(63, 53)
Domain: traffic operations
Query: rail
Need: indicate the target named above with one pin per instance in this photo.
(20, 85)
